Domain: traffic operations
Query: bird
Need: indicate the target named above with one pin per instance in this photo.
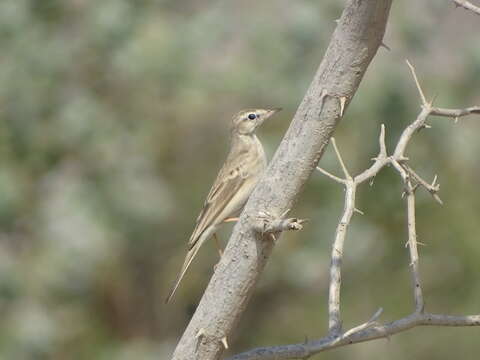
(235, 181)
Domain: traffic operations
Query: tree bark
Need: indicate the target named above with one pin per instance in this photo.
(356, 39)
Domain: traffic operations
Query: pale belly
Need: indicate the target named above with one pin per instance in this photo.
(239, 200)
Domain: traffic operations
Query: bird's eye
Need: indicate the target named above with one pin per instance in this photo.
(252, 116)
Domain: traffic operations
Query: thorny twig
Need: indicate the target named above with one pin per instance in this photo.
(371, 329)
(267, 223)
(467, 5)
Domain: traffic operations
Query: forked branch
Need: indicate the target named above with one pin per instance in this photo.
(354, 43)
(371, 330)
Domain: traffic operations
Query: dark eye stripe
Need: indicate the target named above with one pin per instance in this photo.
(252, 116)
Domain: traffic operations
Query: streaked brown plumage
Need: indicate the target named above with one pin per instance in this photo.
(234, 184)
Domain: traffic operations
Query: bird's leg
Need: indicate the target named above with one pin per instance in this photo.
(217, 243)
(219, 249)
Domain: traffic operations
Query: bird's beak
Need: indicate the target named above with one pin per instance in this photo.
(273, 111)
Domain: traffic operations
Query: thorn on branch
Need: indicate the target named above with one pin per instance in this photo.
(330, 175)
(437, 198)
(371, 322)
(381, 140)
(418, 242)
(419, 88)
(224, 342)
(432, 188)
(200, 333)
(385, 46)
(343, 100)
(358, 211)
(340, 160)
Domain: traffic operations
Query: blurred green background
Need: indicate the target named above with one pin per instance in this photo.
(114, 123)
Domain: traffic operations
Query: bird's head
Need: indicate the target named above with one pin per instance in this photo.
(246, 121)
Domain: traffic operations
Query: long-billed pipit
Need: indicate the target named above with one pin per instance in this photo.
(234, 184)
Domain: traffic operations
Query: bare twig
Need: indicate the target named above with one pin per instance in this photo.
(432, 188)
(307, 349)
(335, 322)
(380, 161)
(412, 247)
(467, 5)
(399, 153)
(371, 330)
(419, 88)
(455, 113)
(371, 322)
(340, 160)
(331, 176)
(267, 223)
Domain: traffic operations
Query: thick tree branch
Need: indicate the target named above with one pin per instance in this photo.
(356, 39)
(371, 329)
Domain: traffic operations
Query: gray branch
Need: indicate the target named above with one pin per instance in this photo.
(371, 330)
(309, 348)
(467, 5)
(353, 45)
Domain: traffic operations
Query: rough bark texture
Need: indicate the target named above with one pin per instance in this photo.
(354, 43)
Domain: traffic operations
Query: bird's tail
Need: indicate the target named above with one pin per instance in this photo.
(188, 260)
(192, 252)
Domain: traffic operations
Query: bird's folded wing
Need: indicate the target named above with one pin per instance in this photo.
(227, 184)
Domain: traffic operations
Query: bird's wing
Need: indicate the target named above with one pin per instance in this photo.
(229, 180)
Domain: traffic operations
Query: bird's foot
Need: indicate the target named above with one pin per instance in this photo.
(219, 247)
